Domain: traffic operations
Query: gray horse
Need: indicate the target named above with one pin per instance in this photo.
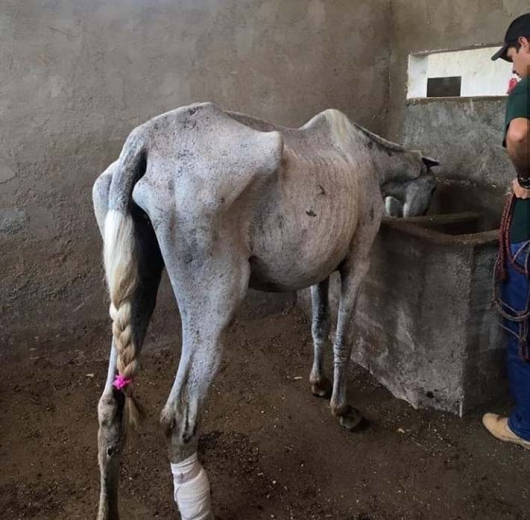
(223, 202)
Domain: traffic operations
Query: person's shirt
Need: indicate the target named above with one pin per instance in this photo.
(519, 106)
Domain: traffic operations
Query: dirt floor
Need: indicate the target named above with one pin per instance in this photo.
(272, 450)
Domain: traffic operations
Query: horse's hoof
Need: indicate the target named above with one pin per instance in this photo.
(352, 420)
(322, 389)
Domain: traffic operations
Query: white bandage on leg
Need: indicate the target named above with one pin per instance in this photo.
(192, 489)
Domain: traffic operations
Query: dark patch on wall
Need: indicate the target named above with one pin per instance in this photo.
(444, 87)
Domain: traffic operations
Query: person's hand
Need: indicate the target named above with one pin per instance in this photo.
(519, 191)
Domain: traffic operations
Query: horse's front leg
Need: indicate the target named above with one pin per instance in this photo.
(320, 329)
(352, 277)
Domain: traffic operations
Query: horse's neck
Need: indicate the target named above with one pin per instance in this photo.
(390, 159)
(392, 166)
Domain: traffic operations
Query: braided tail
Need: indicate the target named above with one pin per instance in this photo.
(121, 269)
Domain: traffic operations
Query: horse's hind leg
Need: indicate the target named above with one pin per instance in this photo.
(209, 286)
(111, 405)
(320, 329)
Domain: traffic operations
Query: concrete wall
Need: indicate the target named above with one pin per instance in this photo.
(424, 25)
(77, 76)
(480, 76)
(465, 134)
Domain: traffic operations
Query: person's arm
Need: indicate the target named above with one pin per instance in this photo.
(518, 145)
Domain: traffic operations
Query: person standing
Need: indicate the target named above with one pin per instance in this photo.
(513, 265)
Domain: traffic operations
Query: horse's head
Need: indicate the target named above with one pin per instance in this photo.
(411, 198)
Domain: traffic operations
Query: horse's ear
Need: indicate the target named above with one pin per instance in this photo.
(430, 163)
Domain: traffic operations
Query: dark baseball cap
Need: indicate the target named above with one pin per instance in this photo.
(519, 27)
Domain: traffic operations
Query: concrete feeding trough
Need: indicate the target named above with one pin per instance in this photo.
(426, 326)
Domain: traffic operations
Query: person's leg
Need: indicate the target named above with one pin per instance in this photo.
(516, 428)
(516, 295)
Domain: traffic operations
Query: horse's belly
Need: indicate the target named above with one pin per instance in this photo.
(263, 278)
(284, 265)
(303, 228)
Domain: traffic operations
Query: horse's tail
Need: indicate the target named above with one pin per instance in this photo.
(121, 266)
